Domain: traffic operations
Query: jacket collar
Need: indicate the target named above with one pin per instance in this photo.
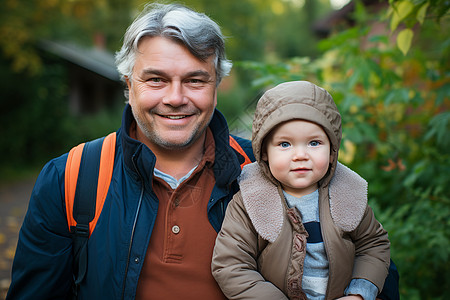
(140, 160)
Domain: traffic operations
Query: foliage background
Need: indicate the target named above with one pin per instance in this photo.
(392, 87)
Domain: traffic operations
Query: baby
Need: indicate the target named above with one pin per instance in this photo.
(300, 227)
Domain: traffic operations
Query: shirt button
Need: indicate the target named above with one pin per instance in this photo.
(136, 260)
(175, 229)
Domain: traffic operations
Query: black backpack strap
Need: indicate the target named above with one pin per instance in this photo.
(84, 207)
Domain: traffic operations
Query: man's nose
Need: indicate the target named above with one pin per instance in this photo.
(175, 96)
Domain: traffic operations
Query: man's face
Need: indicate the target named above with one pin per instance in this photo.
(172, 94)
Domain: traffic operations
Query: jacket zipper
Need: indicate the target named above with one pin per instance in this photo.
(132, 231)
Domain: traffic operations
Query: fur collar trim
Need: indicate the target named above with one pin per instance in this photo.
(262, 202)
(347, 191)
(348, 198)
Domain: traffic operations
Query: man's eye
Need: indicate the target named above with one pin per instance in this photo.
(284, 144)
(195, 81)
(155, 79)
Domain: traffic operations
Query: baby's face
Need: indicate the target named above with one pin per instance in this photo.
(298, 155)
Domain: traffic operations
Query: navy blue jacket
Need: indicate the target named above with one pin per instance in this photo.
(42, 267)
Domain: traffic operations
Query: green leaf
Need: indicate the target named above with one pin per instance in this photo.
(401, 10)
(404, 40)
(439, 127)
(422, 12)
(397, 96)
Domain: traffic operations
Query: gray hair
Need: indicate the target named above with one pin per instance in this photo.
(201, 36)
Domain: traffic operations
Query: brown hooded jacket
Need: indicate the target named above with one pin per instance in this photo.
(260, 250)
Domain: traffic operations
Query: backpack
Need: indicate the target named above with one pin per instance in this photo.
(89, 169)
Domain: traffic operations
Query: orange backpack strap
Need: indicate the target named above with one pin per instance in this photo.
(106, 165)
(88, 174)
(236, 146)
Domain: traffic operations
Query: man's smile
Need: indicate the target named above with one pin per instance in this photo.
(174, 117)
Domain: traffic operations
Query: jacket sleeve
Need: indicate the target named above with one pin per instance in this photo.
(42, 267)
(372, 253)
(234, 263)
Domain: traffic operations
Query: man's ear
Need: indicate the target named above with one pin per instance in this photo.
(128, 89)
(128, 82)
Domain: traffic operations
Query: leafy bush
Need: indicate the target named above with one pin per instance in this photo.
(395, 134)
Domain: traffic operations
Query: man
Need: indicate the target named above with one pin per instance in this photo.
(174, 174)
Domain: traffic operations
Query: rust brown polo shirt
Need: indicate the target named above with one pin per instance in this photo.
(178, 260)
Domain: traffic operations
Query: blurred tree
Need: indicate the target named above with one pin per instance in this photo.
(22, 25)
(84, 22)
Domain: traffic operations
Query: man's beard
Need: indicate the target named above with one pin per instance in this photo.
(164, 143)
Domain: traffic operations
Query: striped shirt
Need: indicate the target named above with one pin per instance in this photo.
(315, 270)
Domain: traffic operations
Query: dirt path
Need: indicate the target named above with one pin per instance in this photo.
(14, 199)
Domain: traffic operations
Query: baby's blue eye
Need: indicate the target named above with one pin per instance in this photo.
(314, 143)
(284, 144)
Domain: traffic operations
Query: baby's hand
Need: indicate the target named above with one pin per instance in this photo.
(352, 297)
